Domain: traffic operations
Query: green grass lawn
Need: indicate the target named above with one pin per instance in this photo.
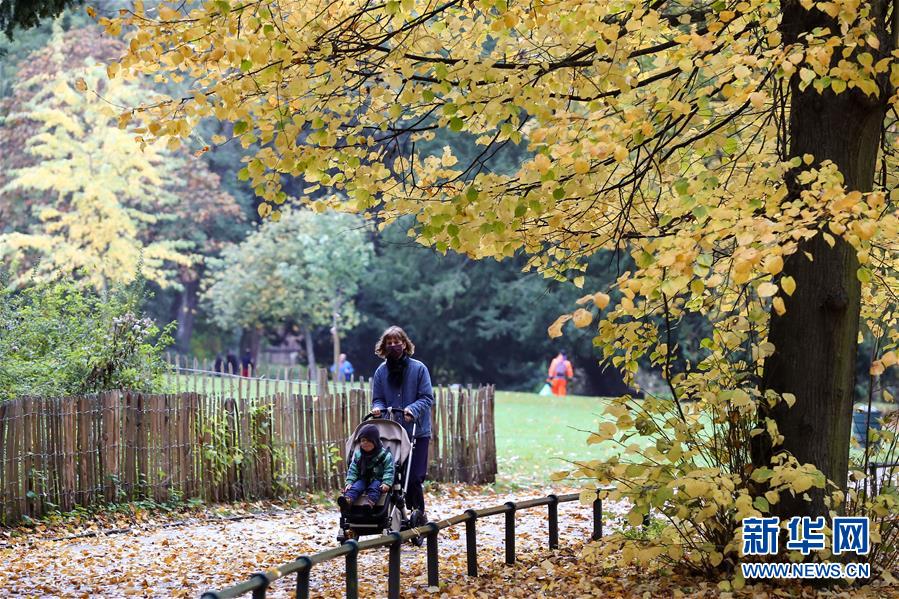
(535, 434)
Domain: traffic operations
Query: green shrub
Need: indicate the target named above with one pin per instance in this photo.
(56, 339)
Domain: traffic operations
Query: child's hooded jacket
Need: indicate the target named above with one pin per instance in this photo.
(377, 465)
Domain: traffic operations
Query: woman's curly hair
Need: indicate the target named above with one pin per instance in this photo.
(397, 332)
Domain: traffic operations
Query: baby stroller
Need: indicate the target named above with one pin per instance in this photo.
(389, 515)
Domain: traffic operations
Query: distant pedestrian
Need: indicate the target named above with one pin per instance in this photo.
(246, 363)
(231, 364)
(560, 372)
(344, 369)
(219, 363)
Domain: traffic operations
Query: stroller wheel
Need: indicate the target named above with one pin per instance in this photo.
(341, 538)
(416, 519)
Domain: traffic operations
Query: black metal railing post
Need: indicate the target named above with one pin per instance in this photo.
(433, 574)
(352, 570)
(393, 567)
(471, 542)
(259, 593)
(303, 578)
(553, 507)
(597, 519)
(510, 532)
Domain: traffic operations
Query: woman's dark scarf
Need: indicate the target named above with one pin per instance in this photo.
(396, 369)
(370, 432)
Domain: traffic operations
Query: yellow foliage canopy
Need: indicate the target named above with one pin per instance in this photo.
(655, 125)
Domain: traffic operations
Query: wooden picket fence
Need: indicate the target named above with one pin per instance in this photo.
(245, 439)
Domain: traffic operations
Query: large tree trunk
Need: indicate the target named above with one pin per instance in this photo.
(310, 348)
(187, 311)
(816, 339)
(335, 334)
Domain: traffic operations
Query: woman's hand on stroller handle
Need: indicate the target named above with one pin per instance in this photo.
(377, 412)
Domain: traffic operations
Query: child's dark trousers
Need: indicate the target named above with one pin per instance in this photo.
(372, 490)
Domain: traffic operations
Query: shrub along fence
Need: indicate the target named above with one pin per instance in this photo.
(251, 439)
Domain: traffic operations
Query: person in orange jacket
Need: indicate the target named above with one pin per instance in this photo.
(560, 372)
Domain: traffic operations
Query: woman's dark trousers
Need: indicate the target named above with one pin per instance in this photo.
(415, 497)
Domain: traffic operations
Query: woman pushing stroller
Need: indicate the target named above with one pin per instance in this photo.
(403, 383)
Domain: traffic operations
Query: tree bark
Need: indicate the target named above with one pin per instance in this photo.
(310, 349)
(816, 339)
(187, 311)
(335, 334)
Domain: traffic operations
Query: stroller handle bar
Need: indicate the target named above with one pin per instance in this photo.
(391, 412)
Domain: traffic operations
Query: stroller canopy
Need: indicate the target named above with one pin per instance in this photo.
(393, 437)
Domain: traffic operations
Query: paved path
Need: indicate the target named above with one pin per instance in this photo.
(184, 561)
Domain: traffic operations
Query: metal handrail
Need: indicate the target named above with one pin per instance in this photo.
(259, 583)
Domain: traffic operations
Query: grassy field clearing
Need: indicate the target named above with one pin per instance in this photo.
(537, 435)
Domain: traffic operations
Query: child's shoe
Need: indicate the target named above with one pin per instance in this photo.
(344, 502)
(368, 504)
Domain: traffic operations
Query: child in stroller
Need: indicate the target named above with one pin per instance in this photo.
(370, 472)
(361, 516)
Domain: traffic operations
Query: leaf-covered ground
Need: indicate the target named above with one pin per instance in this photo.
(152, 555)
(181, 555)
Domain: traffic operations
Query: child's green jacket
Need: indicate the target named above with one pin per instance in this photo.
(379, 468)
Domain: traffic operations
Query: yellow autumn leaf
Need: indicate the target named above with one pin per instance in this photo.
(607, 430)
(767, 289)
(167, 13)
(694, 487)
(582, 318)
(634, 518)
(773, 265)
(601, 300)
(788, 284)
(555, 329)
(584, 299)
(889, 358)
(778, 304)
(557, 476)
